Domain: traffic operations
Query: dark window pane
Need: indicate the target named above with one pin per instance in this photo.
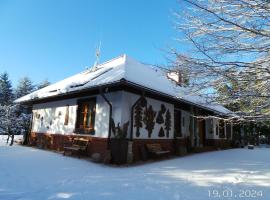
(177, 123)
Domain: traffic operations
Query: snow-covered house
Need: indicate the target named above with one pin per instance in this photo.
(142, 99)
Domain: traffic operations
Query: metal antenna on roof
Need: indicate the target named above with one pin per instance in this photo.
(97, 57)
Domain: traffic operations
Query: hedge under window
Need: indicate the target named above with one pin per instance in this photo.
(86, 116)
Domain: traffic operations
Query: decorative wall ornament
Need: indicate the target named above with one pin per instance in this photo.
(143, 102)
(118, 131)
(139, 115)
(66, 115)
(37, 115)
(168, 123)
(149, 119)
(161, 132)
(160, 118)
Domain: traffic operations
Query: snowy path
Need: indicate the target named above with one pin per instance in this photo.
(28, 173)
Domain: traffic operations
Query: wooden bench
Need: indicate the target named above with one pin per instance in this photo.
(156, 150)
(79, 146)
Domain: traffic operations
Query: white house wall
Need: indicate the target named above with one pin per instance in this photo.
(228, 125)
(128, 101)
(209, 128)
(185, 123)
(215, 134)
(50, 117)
(102, 114)
(101, 118)
(216, 130)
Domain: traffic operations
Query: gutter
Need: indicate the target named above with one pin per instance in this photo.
(96, 87)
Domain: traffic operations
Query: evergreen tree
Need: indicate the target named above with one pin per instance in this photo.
(24, 87)
(43, 84)
(9, 115)
(6, 95)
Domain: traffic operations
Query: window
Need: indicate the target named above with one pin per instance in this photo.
(86, 116)
(177, 123)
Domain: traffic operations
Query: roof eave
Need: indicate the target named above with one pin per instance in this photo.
(129, 83)
(177, 99)
(34, 100)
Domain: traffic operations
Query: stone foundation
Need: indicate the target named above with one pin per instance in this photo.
(178, 146)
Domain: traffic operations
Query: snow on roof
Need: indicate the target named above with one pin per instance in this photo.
(123, 67)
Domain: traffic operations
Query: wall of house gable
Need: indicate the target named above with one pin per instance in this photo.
(216, 128)
(185, 123)
(54, 114)
(50, 117)
(103, 110)
(209, 128)
(128, 101)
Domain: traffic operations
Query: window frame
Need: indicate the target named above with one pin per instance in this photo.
(80, 104)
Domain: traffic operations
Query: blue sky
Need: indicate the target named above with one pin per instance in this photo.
(57, 38)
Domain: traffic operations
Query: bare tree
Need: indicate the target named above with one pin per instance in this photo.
(229, 59)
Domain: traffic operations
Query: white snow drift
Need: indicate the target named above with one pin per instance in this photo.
(28, 173)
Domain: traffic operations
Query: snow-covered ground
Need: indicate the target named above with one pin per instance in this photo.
(3, 139)
(29, 173)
